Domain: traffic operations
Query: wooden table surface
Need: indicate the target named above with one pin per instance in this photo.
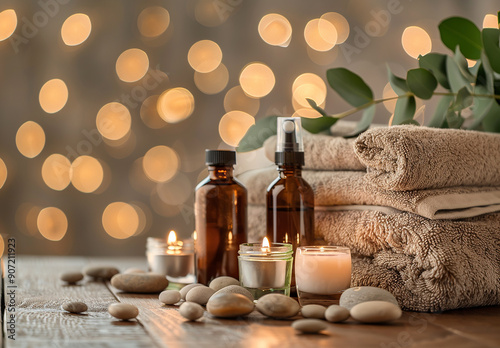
(40, 322)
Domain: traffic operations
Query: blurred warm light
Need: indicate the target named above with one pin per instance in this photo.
(132, 65)
(339, 22)
(309, 86)
(113, 121)
(120, 220)
(52, 223)
(176, 191)
(153, 21)
(8, 23)
(236, 99)
(175, 105)
(388, 92)
(30, 139)
(211, 14)
(233, 126)
(172, 238)
(76, 29)
(320, 40)
(471, 62)
(53, 96)
(305, 111)
(489, 21)
(275, 30)
(257, 80)
(162, 208)
(3, 173)
(87, 174)
(323, 58)
(160, 163)
(149, 113)
(204, 56)
(416, 41)
(56, 172)
(2, 246)
(212, 82)
(144, 215)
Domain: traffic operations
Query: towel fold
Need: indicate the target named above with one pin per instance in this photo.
(350, 188)
(411, 157)
(428, 265)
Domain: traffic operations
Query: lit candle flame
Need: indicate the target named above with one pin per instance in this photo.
(172, 238)
(195, 236)
(265, 245)
(321, 249)
(230, 238)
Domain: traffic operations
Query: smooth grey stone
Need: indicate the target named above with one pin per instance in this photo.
(123, 311)
(309, 325)
(140, 282)
(353, 296)
(75, 307)
(376, 312)
(313, 311)
(221, 282)
(229, 305)
(170, 297)
(236, 289)
(191, 311)
(336, 314)
(200, 294)
(277, 306)
(186, 289)
(100, 272)
(71, 277)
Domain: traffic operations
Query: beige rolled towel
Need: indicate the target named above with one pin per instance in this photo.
(323, 152)
(428, 265)
(411, 157)
(333, 188)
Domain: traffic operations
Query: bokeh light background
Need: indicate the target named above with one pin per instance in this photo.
(107, 106)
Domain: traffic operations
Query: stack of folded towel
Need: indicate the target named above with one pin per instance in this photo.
(419, 207)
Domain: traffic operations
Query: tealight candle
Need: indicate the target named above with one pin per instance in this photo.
(173, 258)
(322, 273)
(265, 268)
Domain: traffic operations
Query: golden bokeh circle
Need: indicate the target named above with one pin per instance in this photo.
(309, 86)
(120, 220)
(53, 96)
(30, 139)
(113, 121)
(149, 113)
(323, 39)
(153, 21)
(160, 163)
(490, 21)
(204, 56)
(3, 173)
(416, 41)
(132, 65)
(175, 105)
(212, 82)
(87, 174)
(388, 92)
(52, 223)
(234, 125)
(339, 22)
(56, 172)
(76, 29)
(8, 23)
(275, 30)
(237, 99)
(257, 80)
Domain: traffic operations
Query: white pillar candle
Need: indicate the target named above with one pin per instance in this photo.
(322, 270)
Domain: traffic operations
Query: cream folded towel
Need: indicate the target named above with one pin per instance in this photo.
(333, 188)
(412, 157)
(428, 265)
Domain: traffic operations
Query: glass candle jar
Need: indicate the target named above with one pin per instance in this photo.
(175, 260)
(266, 269)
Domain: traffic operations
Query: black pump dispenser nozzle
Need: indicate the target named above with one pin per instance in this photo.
(289, 147)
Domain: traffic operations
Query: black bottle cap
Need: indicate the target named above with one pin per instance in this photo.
(289, 158)
(220, 157)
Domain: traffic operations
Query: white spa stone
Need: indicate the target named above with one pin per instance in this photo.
(353, 296)
(71, 277)
(186, 289)
(313, 311)
(123, 311)
(140, 282)
(191, 311)
(309, 325)
(170, 297)
(74, 307)
(199, 294)
(277, 306)
(336, 314)
(236, 289)
(376, 312)
(100, 272)
(228, 305)
(221, 282)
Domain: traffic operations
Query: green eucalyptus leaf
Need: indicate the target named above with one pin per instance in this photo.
(316, 107)
(349, 86)
(458, 31)
(439, 117)
(257, 134)
(397, 83)
(364, 123)
(463, 100)
(454, 119)
(318, 125)
(436, 63)
(462, 64)
(491, 38)
(481, 107)
(484, 78)
(455, 78)
(405, 110)
(421, 82)
(491, 121)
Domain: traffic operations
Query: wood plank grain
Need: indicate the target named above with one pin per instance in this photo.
(40, 322)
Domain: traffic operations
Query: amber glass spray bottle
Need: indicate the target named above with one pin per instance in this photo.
(221, 218)
(290, 199)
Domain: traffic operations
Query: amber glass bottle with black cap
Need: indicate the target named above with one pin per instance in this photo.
(221, 218)
(290, 199)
